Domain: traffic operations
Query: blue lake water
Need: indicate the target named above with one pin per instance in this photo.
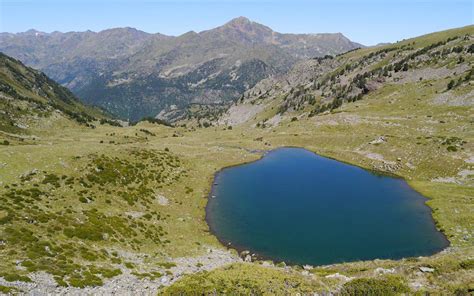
(295, 206)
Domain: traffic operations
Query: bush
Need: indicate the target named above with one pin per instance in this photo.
(5, 142)
(451, 84)
(129, 265)
(166, 265)
(110, 122)
(13, 277)
(467, 264)
(8, 290)
(471, 49)
(372, 286)
(452, 148)
(85, 231)
(153, 120)
(86, 280)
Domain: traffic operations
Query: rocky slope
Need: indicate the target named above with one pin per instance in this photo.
(324, 84)
(135, 74)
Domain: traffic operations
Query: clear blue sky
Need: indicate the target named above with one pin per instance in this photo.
(366, 21)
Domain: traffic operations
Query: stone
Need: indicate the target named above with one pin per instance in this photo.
(339, 276)
(426, 269)
(379, 140)
(380, 270)
(267, 264)
(161, 200)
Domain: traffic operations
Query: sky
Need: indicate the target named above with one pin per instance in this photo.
(367, 21)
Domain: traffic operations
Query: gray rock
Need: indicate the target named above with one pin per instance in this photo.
(426, 269)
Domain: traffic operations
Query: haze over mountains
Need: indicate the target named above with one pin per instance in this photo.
(134, 74)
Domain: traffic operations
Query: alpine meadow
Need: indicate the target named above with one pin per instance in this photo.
(136, 163)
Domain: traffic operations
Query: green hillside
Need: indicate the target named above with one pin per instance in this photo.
(107, 208)
(32, 101)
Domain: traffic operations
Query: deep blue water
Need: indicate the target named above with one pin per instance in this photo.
(295, 206)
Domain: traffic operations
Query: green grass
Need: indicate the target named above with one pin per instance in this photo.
(8, 290)
(244, 279)
(373, 287)
(199, 154)
(80, 203)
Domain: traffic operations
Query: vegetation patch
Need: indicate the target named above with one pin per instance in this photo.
(53, 237)
(375, 286)
(242, 279)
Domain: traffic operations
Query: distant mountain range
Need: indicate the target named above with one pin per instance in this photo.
(134, 74)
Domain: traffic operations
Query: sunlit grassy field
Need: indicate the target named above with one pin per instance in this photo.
(86, 205)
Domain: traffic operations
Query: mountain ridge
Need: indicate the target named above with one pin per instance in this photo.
(123, 209)
(321, 85)
(134, 74)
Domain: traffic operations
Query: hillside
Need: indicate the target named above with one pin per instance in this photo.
(122, 209)
(318, 85)
(134, 74)
(31, 101)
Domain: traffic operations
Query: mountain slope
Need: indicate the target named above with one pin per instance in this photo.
(29, 99)
(123, 210)
(135, 74)
(323, 84)
(404, 109)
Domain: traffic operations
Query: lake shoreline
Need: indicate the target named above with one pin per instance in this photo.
(255, 255)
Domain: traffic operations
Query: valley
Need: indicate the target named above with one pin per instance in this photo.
(134, 74)
(88, 206)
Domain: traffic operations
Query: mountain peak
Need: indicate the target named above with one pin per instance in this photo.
(244, 25)
(241, 20)
(33, 32)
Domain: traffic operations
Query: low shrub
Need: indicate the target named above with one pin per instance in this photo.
(374, 286)
(13, 277)
(467, 264)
